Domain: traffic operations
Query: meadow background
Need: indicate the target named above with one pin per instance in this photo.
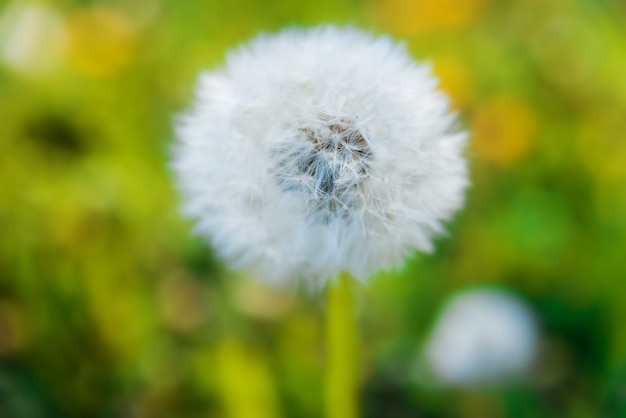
(110, 307)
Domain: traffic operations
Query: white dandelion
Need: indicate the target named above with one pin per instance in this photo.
(482, 336)
(317, 151)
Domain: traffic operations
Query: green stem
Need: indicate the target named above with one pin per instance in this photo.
(341, 351)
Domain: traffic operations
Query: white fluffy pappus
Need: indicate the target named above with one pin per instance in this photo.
(482, 336)
(315, 151)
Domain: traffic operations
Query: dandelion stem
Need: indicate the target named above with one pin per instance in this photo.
(341, 351)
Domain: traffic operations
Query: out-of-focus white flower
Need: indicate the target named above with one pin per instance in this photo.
(318, 151)
(32, 38)
(482, 336)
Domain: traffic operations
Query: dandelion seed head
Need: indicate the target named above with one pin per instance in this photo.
(325, 166)
(482, 336)
(317, 151)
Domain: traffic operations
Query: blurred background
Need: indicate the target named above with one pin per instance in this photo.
(109, 307)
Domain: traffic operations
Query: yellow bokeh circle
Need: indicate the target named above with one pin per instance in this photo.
(503, 129)
(101, 41)
(408, 17)
(453, 79)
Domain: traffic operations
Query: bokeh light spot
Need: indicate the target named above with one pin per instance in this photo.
(253, 397)
(261, 301)
(101, 42)
(183, 303)
(453, 79)
(32, 38)
(503, 129)
(409, 17)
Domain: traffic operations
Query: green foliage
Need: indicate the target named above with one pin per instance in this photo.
(110, 307)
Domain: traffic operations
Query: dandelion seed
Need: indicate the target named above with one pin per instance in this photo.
(317, 151)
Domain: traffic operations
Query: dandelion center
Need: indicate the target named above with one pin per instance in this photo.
(326, 165)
